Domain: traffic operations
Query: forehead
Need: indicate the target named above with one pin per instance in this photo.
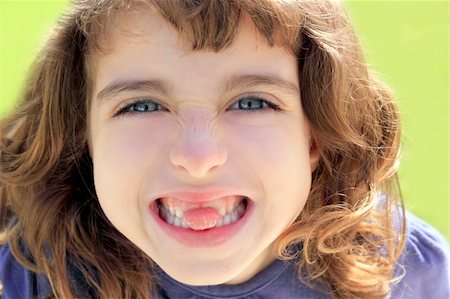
(200, 26)
(142, 44)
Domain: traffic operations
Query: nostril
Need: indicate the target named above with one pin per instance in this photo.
(214, 168)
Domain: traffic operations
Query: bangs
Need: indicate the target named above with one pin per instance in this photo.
(203, 25)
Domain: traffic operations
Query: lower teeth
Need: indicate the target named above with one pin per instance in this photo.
(229, 218)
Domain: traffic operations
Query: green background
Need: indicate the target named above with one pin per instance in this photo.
(406, 42)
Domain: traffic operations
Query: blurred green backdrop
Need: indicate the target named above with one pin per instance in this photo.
(406, 42)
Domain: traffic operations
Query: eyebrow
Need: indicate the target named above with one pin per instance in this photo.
(117, 87)
(234, 82)
(251, 81)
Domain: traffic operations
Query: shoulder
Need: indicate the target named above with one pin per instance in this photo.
(17, 281)
(424, 262)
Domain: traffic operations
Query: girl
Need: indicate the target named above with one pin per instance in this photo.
(208, 149)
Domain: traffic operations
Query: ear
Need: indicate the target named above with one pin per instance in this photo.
(314, 153)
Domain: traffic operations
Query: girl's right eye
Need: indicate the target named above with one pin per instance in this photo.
(140, 106)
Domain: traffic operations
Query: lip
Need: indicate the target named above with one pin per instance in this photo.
(202, 238)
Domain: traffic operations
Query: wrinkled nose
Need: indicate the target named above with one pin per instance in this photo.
(198, 153)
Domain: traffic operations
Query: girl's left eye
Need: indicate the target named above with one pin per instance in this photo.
(141, 106)
(253, 104)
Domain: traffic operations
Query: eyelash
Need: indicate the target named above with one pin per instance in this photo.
(267, 105)
(126, 109)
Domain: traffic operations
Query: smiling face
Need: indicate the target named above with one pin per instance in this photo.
(200, 158)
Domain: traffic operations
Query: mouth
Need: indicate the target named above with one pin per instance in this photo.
(203, 216)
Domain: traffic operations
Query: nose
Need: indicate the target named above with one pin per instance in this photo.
(197, 153)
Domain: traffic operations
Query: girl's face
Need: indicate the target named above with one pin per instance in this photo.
(201, 159)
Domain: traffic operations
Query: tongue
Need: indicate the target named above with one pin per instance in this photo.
(201, 218)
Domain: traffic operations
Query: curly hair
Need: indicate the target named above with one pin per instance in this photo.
(345, 237)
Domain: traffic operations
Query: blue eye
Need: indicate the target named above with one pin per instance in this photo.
(254, 103)
(141, 106)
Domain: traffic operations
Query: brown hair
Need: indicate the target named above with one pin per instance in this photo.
(344, 238)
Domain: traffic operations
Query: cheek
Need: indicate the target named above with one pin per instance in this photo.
(124, 153)
(278, 146)
(278, 156)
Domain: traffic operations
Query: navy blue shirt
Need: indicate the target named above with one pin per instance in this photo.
(425, 260)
